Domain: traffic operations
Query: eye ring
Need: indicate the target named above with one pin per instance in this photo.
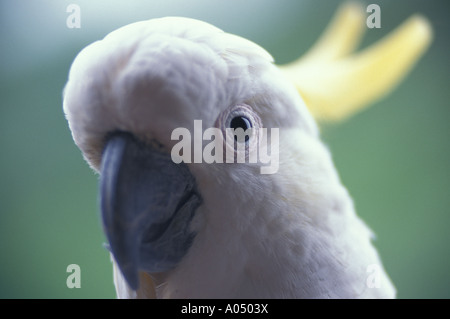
(245, 120)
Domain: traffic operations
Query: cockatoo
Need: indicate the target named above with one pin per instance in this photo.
(212, 229)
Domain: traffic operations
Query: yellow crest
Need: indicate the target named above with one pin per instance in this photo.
(336, 82)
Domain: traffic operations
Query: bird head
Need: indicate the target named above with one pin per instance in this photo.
(129, 92)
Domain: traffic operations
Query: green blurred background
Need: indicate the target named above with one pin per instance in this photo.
(393, 157)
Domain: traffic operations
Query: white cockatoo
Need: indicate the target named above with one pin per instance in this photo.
(182, 228)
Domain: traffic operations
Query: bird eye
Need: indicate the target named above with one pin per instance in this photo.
(240, 122)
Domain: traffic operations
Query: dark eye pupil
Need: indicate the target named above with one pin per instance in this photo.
(240, 122)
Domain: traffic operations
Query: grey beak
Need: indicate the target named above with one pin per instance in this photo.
(147, 202)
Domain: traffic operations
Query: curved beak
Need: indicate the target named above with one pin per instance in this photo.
(147, 202)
